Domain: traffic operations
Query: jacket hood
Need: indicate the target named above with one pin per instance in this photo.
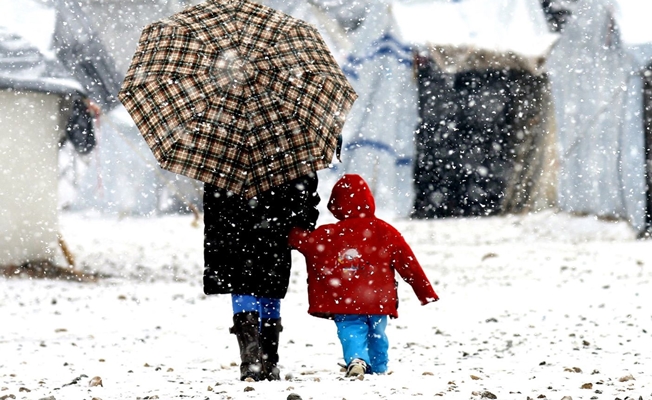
(351, 198)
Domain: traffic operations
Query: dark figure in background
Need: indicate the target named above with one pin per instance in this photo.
(246, 254)
(80, 129)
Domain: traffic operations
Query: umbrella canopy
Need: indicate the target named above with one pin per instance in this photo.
(237, 95)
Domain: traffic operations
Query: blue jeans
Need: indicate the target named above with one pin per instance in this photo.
(363, 337)
(264, 306)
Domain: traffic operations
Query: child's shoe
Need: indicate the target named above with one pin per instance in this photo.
(356, 368)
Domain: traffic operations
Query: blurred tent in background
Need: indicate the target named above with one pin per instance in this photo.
(121, 176)
(600, 74)
(379, 133)
(49, 79)
(482, 145)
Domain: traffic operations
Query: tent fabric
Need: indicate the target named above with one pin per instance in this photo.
(599, 126)
(379, 132)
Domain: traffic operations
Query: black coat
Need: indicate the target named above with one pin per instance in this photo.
(246, 241)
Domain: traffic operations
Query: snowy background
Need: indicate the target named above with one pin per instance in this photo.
(546, 305)
(539, 306)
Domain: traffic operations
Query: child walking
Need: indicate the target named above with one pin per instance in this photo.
(351, 266)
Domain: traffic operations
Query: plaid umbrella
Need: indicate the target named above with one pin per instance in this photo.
(237, 95)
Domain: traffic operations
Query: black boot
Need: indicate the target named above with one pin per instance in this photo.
(246, 329)
(269, 337)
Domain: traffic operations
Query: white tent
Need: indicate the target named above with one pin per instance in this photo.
(597, 84)
(378, 137)
(32, 86)
(510, 38)
(121, 176)
(51, 63)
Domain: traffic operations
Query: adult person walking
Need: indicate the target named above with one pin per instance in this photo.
(246, 254)
(251, 102)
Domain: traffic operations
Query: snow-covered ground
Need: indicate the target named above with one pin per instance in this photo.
(539, 306)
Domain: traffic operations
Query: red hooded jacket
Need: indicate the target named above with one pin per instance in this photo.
(351, 263)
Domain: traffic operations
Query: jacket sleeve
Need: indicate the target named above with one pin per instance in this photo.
(297, 239)
(406, 264)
